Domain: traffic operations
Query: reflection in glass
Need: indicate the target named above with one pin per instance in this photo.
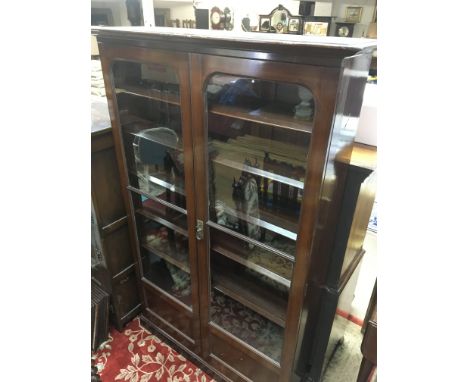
(163, 238)
(257, 157)
(258, 140)
(167, 276)
(149, 110)
(247, 325)
(269, 266)
(249, 305)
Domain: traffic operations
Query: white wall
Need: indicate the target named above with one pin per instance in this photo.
(118, 8)
(339, 11)
(180, 9)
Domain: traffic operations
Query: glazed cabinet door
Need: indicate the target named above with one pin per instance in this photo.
(260, 141)
(149, 95)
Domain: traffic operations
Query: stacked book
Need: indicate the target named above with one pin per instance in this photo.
(97, 80)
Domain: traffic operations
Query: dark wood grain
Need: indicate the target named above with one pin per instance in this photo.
(335, 73)
(369, 352)
(258, 46)
(179, 62)
(112, 222)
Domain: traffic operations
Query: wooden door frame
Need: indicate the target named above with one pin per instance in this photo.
(180, 63)
(323, 83)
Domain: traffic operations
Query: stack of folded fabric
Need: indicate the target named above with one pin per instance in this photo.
(97, 80)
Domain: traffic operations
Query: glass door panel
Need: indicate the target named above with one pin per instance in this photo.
(149, 110)
(258, 139)
(148, 100)
(163, 238)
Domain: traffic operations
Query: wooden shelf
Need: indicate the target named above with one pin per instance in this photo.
(264, 117)
(272, 221)
(256, 171)
(236, 255)
(180, 260)
(153, 94)
(157, 199)
(162, 180)
(248, 292)
(160, 280)
(247, 239)
(177, 228)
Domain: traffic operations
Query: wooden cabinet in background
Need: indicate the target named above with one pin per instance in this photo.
(113, 266)
(234, 155)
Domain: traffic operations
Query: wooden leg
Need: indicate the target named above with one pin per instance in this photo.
(365, 370)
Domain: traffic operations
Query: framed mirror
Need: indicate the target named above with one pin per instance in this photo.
(280, 20)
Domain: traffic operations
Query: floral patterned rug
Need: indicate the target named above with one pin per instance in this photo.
(136, 355)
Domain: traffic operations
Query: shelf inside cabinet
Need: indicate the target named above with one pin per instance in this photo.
(272, 221)
(153, 94)
(164, 286)
(159, 199)
(158, 219)
(247, 239)
(256, 171)
(248, 292)
(162, 180)
(180, 260)
(263, 116)
(238, 254)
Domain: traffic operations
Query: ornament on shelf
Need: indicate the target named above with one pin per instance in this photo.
(304, 109)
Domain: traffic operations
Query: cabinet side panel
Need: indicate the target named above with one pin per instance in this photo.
(361, 217)
(349, 97)
(105, 181)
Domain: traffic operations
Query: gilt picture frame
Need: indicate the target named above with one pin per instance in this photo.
(353, 14)
(315, 28)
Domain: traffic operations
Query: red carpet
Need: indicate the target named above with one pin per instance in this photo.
(136, 355)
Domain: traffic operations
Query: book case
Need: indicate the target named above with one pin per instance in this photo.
(234, 154)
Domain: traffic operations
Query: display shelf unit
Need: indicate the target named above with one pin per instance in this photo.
(259, 165)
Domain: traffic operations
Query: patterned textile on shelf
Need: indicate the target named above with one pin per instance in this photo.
(247, 325)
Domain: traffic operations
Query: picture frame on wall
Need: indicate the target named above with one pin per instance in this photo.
(315, 28)
(294, 25)
(353, 14)
(317, 25)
